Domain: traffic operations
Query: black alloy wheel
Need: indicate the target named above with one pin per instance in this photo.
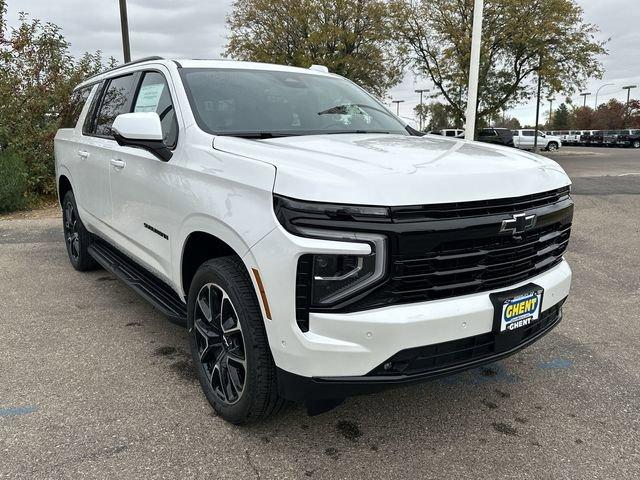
(76, 237)
(220, 341)
(71, 234)
(229, 344)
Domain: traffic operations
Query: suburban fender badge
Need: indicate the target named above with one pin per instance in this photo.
(518, 224)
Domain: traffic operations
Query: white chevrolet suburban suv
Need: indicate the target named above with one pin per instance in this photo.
(314, 245)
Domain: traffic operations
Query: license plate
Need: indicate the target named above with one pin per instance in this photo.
(520, 311)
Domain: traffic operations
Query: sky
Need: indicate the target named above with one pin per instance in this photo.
(196, 29)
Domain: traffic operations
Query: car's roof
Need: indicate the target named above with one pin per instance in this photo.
(199, 63)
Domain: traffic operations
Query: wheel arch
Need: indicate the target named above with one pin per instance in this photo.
(200, 246)
(64, 185)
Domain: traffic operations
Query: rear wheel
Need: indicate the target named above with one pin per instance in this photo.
(229, 344)
(635, 144)
(77, 238)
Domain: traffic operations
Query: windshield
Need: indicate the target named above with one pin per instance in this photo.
(259, 103)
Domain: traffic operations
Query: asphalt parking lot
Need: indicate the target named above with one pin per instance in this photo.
(94, 383)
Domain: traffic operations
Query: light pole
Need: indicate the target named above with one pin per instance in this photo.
(550, 109)
(421, 91)
(585, 95)
(124, 26)
(535, 128)
(397, 102)
(598, 91)
(628, 89)
(474, 70)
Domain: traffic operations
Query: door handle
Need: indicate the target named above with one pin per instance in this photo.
(83, 154)
(117, 163)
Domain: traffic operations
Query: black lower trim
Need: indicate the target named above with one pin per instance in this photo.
(298, 388)
(147, 285)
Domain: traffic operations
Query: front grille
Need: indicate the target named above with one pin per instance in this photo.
(422, 360)
(465, 266)
(477, 208)
(447, 250)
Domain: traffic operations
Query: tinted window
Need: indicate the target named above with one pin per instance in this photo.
(72, 113)
(527, 133)
(114, 102)
(154, 96)
(236, 101)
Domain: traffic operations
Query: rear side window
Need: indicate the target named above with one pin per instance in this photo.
(115, 100)
(154, 96)
(72, 113)
(527, 133)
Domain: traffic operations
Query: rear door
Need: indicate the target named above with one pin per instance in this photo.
(140, 182)
(97, 146)
(69, 148)
(526, 139)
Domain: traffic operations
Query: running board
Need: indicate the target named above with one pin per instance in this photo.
(147, 285)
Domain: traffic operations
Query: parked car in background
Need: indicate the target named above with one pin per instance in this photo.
(585, 137)
(597, 138)
(525, 138)
(629, 138)
(562, 134)
(452, 132)
(591, 137)
(573, 137)
(497, 136)
(610, 138)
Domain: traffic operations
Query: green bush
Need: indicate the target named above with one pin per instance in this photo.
(13, 182)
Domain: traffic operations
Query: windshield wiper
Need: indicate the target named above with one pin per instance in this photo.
(296, 133)
(336, 132)
(344, 109)
(257, 134)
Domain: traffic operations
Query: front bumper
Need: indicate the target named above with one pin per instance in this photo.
(444, 360)
(354, 344)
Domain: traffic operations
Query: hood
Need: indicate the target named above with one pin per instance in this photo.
(393, 170)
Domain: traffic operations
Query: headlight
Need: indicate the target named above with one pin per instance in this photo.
(336, 277)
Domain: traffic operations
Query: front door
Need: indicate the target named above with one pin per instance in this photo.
(139, 183)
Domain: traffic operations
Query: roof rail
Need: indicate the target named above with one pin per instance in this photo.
(133, 62)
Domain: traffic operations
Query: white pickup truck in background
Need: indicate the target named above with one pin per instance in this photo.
(524, 139)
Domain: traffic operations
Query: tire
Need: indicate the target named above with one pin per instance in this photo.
(77, 238)
(552, 147)
(635, 144)
(239, 393)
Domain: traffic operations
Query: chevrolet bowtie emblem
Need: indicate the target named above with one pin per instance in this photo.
(518, 224)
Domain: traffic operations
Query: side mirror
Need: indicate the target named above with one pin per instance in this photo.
(141, 130)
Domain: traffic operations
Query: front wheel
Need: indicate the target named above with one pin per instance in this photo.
(635, 144)
(229, 344)
(552, 147)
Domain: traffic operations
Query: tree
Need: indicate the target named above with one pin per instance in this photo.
(511, 123)
(581, 118)
(632, 119)
(519, 41)
(440, 116)
(421, 112)
(560, 118)
(351, 37)
(37, 75)
(609, 116)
